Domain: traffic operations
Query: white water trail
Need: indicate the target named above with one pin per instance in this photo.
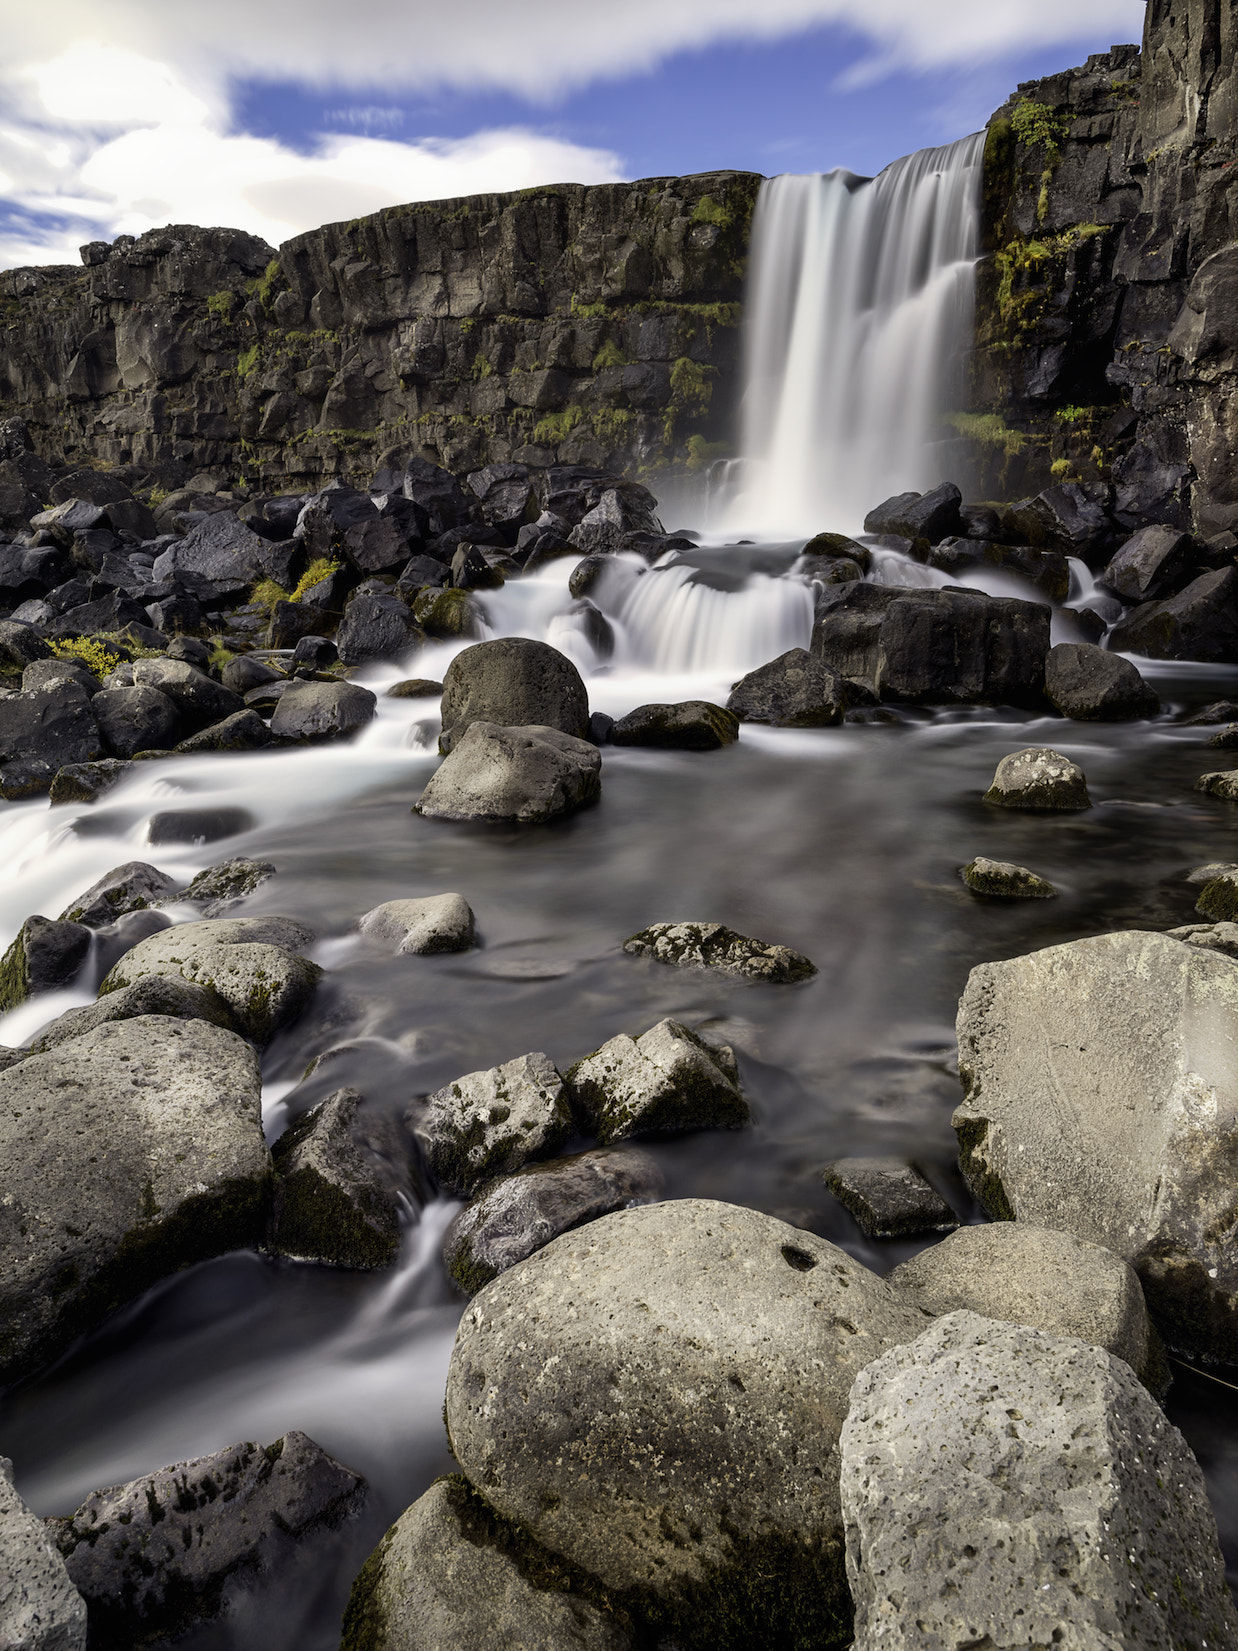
(859, 305)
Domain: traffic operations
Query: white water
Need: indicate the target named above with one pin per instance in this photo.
(859, 304)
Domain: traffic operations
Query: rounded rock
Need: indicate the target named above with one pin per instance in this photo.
(1038, 778)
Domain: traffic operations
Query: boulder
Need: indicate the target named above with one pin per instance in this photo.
(244, 672)
(136, 719)
(657, 1398)
(290, 621)
(323, 711)
(1003, 880)
(1005, 1487)
(1225, 739)
(198, 698)
(1038, 778)
(713, 946)
(491, 1123)
(510, 1218)
(415, 687)
(318, 652)
(131, 887)
(197, 825)
(838, 544)
(223, 551)
(159, 1554)
(1199, 622)
(1149, 563)
(41, 732)
(83, 782)
(450, 1573)
(438, 923)
(888, 1197)
(46, 671)
(515, 683)
(43, 957)
(125, 1155)
(232, 880)
(154, 995)
(1221, 783)
(793, 691)
(693, 725)
(243, 731)
(1048, 570)
(40, 1609)
(1051, 1280)
(1100, 1098)
(113, 940)
(448, 614)
(930, 516)
(1090, 684)
(21, 645)
(664, 1082)
(1215, 937)
(1218, 899)
(376, 627)
(330, 1206)
(106, 614)
(527, 774)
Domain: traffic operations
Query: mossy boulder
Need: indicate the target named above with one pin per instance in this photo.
(135, 886)
(1218, 899)
(1038, 778)
(330, 1206)
(44, 956)
(232, 880)
(692, 725)
(664, 1082)
(491, 1123)
(714, 946)
(1003, 880)
(448, 614)
(1223, 784)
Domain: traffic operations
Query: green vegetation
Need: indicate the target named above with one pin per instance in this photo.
(710, 211)
(610, 355)
(219, 304)
(702, 453)
(1034, 123)
(1070, 414)
(1062, 470)
(266, 593)
(90, 652)
(692, 389)
(989, 430)
(247, 361)
(556, 427)
(318, 570)
(590, 312)
(219, 654)
(481, 367)
(268, 286)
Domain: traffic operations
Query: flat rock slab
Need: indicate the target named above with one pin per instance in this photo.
(330, 1206)
(528, 774)
(713, 946)
(125, 1155)
(1005, 881)
(437, 923)
(1101, 1098)
(1002, 1487)
(657, 1397)
(664, 1082)
(1038, 778)
(888, 1197)
(154, 1556)
(449, 1573)
(493, 1122)
(511, 1218)
(40, 1609)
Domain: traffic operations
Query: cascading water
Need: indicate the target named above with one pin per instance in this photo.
(859, 305)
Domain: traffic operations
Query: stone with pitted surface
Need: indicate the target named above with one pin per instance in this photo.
(714, 946)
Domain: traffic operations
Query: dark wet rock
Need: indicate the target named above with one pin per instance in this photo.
(1043, 567)
(290, 621)
(173, 1106)
(1218, 899)
(888, 1197)
(244, 672)
(82, 782)
(199, 700)
(475, 568)
(110, 613)
(1086, 623)
(1148, 1174)
(1005, 881)
(573, 1344)
(600, 725)
(21, 645)
(435, 923)
(131, 887)
(693, 725)
(232, 880)
(525, 774)
(230, 556)
(792, 691)
(508, 1219)
(930, 516)
(514, 682)
(449, 1572)
(1222, 783)
(1038, 778)
(40, 1609)
(587, 574)
(155, 995)
(491, 1123)
(376, 627)
(415, 687)
(317, 711)
(46, 671)
(1225, 739)
(882, 714)
(244, 731)
(1051, 1280)
(318, 652)
(198, 825)
(1090, 684)
(1003, 1485)
(1221, 710)
(1199, 622)
(136, 719)
(448, 614)
(1149, 564)
(43, 957)
(159, 1554)
(828, 570)
(665, 1082)
(713, 946)
(42, 732)
(838, 544)
(330, 1206)
(193, 649)
(115, 939)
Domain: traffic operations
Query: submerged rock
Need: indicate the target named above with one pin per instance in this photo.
(1005, 1487)
(529, 775)
(330, 1206)
(694, 725)
(135, 886)
(1039, 778)
(516, 683)
(491, 1123)
(664, 1082)
(437, 923)
(40, 1609)
(197, 825)
(713, 946)
(44, 956)
(888, 1197)
(415, 687)
(1005, 881)
(83, 782)
(1090, 684)
(793, 691)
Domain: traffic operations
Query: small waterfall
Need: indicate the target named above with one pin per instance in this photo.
(859, 305)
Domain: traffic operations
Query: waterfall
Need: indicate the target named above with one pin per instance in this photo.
(859, 306)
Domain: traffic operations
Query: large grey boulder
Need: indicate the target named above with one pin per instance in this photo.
(154, 995)
(664, 1082)
(1004, 1487)
(658, 1396)
(157, 1555)
(1198, 622)
(1149, 563)
(526, 774)
(231, 556)
(135, 886)
(46, 671)
(508, 1219)
(40, 1609)
(714, 946)
(199, 699)
(136, 719)
(1051, 1280)
(517, 683)
(330, 1205)
(492, 1122)
(376, 627)
(435, 923)
(793, 691)
(125, 1155)
(1089, 684)
(85, 782)
(265, 984)
(43, 731)
(449, 1573)
(323, 711)
(1038, 778)
(1101, 1099)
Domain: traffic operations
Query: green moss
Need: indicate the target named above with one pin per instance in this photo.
(588, 311)
(247, 361)
(1036, 123)
(1218, 900)
(365, 1621)
(610, 355)
(612, 425)
(266, 593)
(317, 1221)
(710, 211)
(219, 304)
(14, 975)
(989, 430)
(268, 286)
(554, 428)
(702, 453)
(320, 568)
(481, 367)
(692, 388)
(980, 1177)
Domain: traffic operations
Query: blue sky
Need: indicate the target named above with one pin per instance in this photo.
(276, 115)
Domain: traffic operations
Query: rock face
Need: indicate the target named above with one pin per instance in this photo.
(793, 691)
(1051, 1280)
(1199, 622)
(610, 1395)
(1092, 685)
(514, 682)
(666, 1081)
(172, 1109)
(40, 1609)
(529, 775)
(1101, 1087)
(154, 1556)
(713, 946)
(329, 1204)
(511, 1218)
(448, 1572)
(438, 923)
(490, 1123)
(1004, 1486)
(41, 732)
(1038, 778)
